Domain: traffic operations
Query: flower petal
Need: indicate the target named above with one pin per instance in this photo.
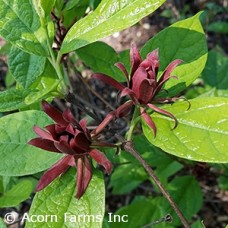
(64, 147)
(44, 144)
(83, 124)
(163, 112)
(128, 92)
(51, 128)
(80, 144)
(69, 117)
(58, 168)
(109, 117)
(146, 91)
(135, 58)
(108, 80)
(148, 120)
(80, 187)
(42, 133)
(152, 62)
(169, 70)
(124, 109)
(87, 173)
(161, 83)
(101, 159)
(54, 113)
(123, 69)
(139, 76)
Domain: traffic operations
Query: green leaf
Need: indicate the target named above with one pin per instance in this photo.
(183, 40)
(44, 85)
(182, 189)
(147, 210)
(109, 17)
(70, 4)
(102, 63)
(47, 6)
(12, 99)
(20, 25)
(17, 157)
(215, 73)
(198, 224)
(58, 199)
(130, 174)
(201, 133)
(17, 194)
(153, 209)
(2, 224)
(218, 27)
(25, 67)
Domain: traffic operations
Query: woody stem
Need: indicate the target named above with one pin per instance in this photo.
(129, 147)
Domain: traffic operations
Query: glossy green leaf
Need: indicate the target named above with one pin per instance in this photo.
(131, 174)
(182, 189)
(142, 211)
(12, 99)
(215, 73)
(102, 62)
(58, 199)
(17, 157)
(17, 194)
(47, 6)
(44, 86)
(109, 17)
(20, 25)
(183, 40)
(201, 133)
(25, 67)
(152, 209)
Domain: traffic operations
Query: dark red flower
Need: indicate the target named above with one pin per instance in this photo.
(73, 139)
(142, 87)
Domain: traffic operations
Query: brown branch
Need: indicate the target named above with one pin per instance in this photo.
(129, 147)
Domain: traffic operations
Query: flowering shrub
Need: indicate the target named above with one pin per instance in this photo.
(45, 39)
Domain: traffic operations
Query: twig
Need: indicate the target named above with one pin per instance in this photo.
(129, 147)
(167, 218)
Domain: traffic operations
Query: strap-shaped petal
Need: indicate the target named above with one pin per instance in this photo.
(103, 124)
(84, 175)
(124, 109)
(139, 76)
(108, 80)
(148, 120)
(163, 112)
(128, 92)
(152, 62)
(123, 69)
(169, 69)
(101, 159)
(83, 124)
(80, 143)
(135, 58)
(64, 147)
(54, 113)
(80, 187)
(44, 144)
(58, 168)
(69, 117)
(42, 133)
